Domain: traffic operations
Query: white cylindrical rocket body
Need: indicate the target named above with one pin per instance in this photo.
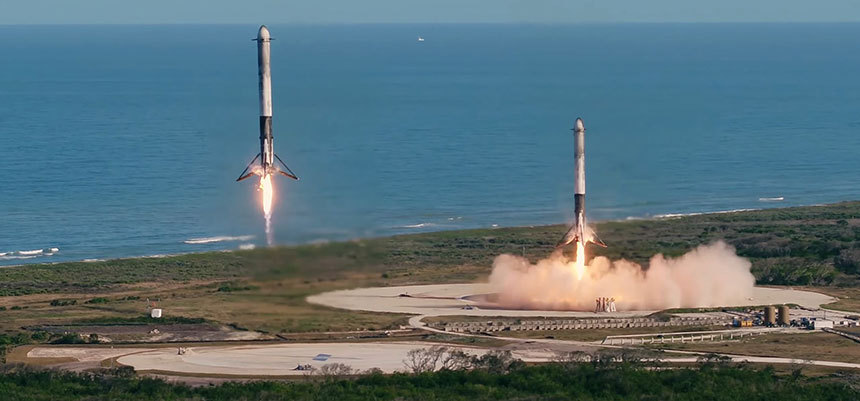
(267, 152)
(577, 231)
(579, 171)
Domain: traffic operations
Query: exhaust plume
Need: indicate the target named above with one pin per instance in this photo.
(710, 275)
(268, 192)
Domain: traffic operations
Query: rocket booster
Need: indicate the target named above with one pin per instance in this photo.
(267, 155)
(577, 233)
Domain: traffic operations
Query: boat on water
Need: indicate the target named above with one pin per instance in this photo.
(420, 39)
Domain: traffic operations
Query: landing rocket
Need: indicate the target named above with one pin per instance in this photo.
(579, 232)
(267, 154)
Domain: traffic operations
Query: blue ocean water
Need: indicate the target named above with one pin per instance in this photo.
(126, 140)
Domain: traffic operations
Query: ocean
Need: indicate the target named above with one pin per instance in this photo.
(122, 141)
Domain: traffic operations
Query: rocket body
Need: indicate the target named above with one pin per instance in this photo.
(267, 154)
(578, 232)
(579, 174)
(264, 68)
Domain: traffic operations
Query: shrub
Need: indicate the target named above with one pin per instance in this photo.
(69, 338)
(63, 302)
(848, 261)
(235, 287)
(98, 300)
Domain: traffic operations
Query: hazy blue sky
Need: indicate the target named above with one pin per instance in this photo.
(360, 11)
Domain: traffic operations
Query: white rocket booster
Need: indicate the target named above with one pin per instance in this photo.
(577, 233)
(267, 153)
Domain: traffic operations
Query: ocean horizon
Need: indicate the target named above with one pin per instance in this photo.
(126, 140)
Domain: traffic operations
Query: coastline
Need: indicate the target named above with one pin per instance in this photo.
(656, 217)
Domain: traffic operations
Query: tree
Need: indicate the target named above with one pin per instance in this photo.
(332, 370)
(456, 359)
(712, 359)
(373, 371)
(572, 359)
(498, 362)
(424, 359)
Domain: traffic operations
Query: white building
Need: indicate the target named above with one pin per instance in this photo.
(819, 324)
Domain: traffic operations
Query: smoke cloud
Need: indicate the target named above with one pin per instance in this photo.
(710, 275)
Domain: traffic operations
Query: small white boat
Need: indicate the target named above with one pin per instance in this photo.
(420, 39)
(774, 199)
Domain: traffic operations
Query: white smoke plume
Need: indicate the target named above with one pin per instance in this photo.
(710, 275)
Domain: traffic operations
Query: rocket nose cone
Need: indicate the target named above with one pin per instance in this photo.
(579, 126)
(263, 34)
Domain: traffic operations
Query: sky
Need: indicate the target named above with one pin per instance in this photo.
(422, 11)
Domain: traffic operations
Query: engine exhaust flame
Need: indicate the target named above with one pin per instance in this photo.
(579, 262)
(268, 192)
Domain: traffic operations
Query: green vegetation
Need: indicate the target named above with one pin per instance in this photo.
(70, 338)
(98, 300)
(84, 277)
(814, 346)
(142, 319)
(593, 381)
(798, 246)
(233, 287)
(849, 297)
(63, 302)
(816, 245)
(8, 340)
(12, 340)
(265, 289)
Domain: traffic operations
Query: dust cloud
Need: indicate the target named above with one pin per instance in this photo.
(710, 275)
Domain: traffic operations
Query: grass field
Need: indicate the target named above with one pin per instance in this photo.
(849, 297)
(265, 289)
(850, 330)
(819, 346)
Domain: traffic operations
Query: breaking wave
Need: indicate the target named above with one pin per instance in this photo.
(28, 254)
(420, 225)
(222, 238)
(448, 222)
(677, 215)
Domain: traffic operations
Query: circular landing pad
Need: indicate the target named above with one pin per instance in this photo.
(466, 300)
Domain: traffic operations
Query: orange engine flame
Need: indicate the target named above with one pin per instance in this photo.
(268, 194)
(579, 263)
